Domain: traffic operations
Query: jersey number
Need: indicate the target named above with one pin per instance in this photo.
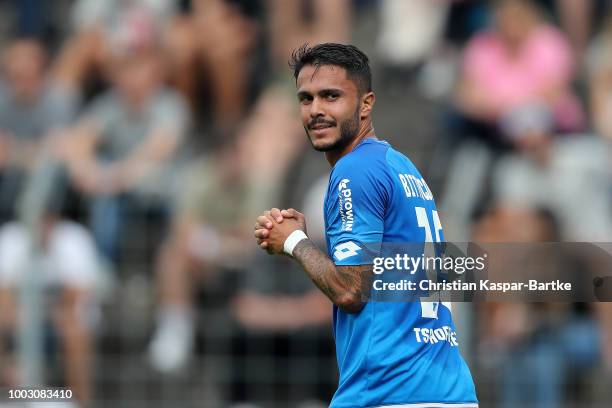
(429, 306)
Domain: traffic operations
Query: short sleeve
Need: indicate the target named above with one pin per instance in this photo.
(357, 199)
(481, 57)
(550, 55)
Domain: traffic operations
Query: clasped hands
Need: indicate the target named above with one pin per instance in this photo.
(274, 226)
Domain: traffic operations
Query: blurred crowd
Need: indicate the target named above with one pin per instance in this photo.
(139, 139)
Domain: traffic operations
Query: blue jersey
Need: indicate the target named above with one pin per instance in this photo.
(390, 353)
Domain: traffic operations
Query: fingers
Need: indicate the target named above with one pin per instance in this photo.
(276, 215)
(262, 233)
(291, 213)
(268, 214)
(263, 244)
(266, 247)
(264, 222)
(268, 218)
(288, 213)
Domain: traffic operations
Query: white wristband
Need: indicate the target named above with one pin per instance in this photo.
(292, 240)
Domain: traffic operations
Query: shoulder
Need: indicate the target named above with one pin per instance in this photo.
(482, 51)
(547, 42)
(368, 157)
(365, 168)
(548, 34)
(549, 45)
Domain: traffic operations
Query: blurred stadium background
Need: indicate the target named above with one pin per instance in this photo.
(139, 139)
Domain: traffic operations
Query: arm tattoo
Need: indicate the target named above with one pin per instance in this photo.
(345, 286)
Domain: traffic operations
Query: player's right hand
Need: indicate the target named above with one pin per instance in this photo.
(265, 223)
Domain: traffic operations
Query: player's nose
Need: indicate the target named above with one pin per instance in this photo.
(316, 108)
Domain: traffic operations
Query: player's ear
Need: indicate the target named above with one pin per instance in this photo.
(367, 103)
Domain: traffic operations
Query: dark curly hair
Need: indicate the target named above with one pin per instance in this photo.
(349, 57)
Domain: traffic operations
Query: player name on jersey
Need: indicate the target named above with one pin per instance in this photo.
(415, 187)
(435, 335)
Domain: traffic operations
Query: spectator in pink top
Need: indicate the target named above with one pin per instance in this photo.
(523, 62)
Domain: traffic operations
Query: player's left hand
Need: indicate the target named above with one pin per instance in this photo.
(274, 226)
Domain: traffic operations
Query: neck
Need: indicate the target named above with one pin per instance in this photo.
(365, 132)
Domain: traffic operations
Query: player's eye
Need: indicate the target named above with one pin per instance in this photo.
(332, 96)
(304, 99)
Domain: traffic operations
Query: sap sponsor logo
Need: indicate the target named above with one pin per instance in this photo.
(415, 187)
(433, 336)
(345, 200)
(346, 250)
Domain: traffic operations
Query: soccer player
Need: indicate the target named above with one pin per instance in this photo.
(390, 354)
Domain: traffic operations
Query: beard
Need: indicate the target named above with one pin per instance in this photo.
(349, 129)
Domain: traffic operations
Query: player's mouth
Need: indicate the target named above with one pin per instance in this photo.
(319, 129)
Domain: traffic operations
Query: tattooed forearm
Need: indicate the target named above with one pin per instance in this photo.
(343, 285)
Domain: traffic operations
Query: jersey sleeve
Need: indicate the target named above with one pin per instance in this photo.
(358, 196)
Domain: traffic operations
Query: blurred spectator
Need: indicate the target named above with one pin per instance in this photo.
(568, 175)
(522, 62)
(208, 233)
(410, 31)
(599, 64)
(412, 46)
(103, 29)
(514, 94)
(579, 20)
(228, 69)
(571, 176)
(281, 314)
(536, 347)
(189, 40)
(227, 59)
(121, 151)
(69, 270)
(293, 23)
(576, 20)
(32, 108)
(212, 227)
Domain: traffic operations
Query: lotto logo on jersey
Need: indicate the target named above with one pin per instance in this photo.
(346, 250)
(345, 201)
